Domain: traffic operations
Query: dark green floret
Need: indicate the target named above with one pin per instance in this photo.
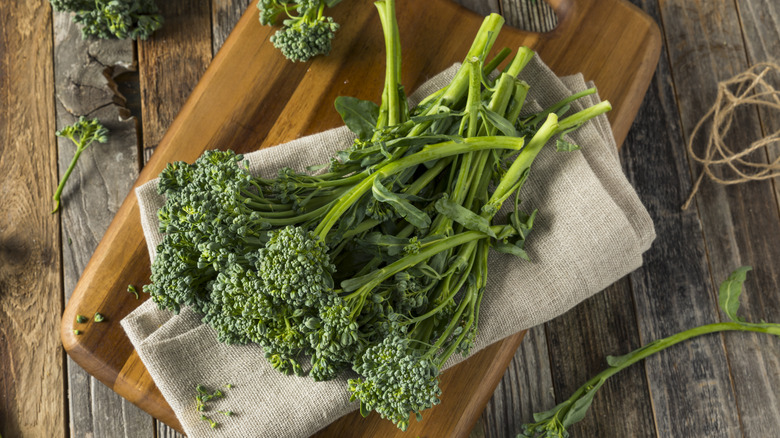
(108, 19)
(305, 31)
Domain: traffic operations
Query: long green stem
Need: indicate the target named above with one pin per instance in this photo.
(390, 98)
(583, 116)
(376, 278)
(428, 153)
(456, 89)
(523, 162)
(79, 149)
(661, 344)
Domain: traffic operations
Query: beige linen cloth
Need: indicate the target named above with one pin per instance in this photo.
(590, 231)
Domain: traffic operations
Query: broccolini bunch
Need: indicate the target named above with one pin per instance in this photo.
(134, 19)
(380, 263)
(305, 31)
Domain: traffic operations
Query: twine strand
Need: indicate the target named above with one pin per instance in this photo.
(750, 87)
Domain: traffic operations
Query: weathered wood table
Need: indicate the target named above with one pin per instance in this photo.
(712, 386)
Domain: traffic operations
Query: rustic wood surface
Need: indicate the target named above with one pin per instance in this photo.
(715, 386)
(249, 97)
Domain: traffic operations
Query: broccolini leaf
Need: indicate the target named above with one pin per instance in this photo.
(404, 208)
(360, 116)
(562, 145)
(730, 290)
(580, 407)
(464, 216)
(499, 122)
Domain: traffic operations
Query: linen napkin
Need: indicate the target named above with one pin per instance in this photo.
(590, 231)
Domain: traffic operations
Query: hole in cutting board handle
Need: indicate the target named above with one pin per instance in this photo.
(536, 16)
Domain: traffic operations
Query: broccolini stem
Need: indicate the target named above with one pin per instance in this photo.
(377, 277)
(79, 149)
(426, 178)
(504, 91)
(523, 56)
(498, 59)
(390, 98)
(521, 164)
(518, 100)
(483, 42)
(465, 165)
(427, 153)
(654, 347)
(538, 117)
(583, 116)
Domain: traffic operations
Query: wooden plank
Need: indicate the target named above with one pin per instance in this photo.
(579, 342)
(526, 387)
(224, 16)
(102, 178)
(736, 220)
(171, 62)
(31, 359)
(690, 383)
(760, 21)
(221, 113)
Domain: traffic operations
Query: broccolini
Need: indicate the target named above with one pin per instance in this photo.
(107, 19)
(82, 133)
(379, 264)
(306, 32)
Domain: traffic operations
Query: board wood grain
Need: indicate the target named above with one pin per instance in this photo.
(250, 97)
(31, 376)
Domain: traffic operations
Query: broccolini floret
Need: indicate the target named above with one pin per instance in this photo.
(133, 19)
(396, 379)
(305, 31)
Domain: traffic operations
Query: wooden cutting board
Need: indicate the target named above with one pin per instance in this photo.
(251, 97)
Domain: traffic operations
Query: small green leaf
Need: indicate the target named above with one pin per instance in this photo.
(508, 248)
(562, 145)
(316, 167)
(99, 317)
(730, 290)
(360, 116)
(499, 122)
(462, 215)
(81, 319)
(580, 407)
(546, 415)
(364, 410)
(522, 222)
(404, 208)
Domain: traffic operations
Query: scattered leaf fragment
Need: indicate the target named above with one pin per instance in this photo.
(132, 290)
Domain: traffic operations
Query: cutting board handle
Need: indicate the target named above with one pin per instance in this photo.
(565, 11)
